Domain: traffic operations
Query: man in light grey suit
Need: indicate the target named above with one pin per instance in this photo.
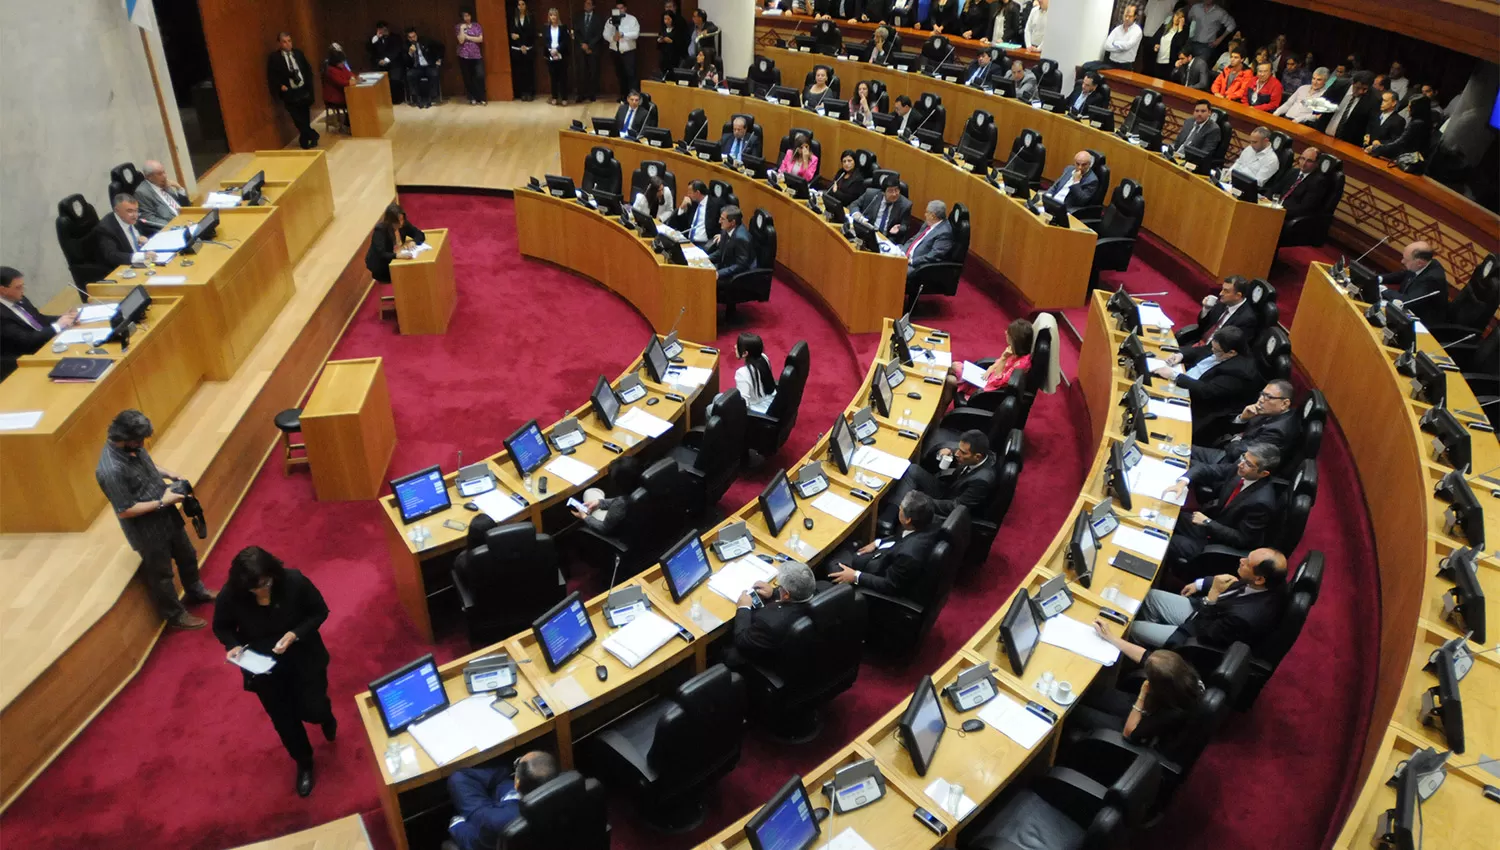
(1199, 136)
(885, 208)
(1025, 81)
(933, 243)
(1075, 188)
(161, 200)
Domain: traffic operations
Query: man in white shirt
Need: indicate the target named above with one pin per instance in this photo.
(1295, 108)
(1397, 80)
(1036, 25)
(620, 34)
(1258, 161)
(1156, 14)
(692, 213)
(1120, 45)
(161, 200)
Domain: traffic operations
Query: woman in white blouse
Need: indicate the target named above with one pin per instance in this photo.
(655, 200)
(755, 380)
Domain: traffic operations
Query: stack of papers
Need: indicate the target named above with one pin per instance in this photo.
(575, 472)
(497, 505)
(973, 374)
(643, 423)
(96, 313)
(463, 726)
(221, 200)
(1148, 545)
(1167, 410)
(938, 793)
(1013, 720)
(1153, 315)
(736, 577)
(73, 336)
(647, 633)
(837, 507)
(696, 256)
(418, 250)
(164, 279)
(371, 76)
(168, 240)
(688, 376)
(1151, 477)
(20, 420)
(254, 662)
(879, 462)
(1154, 363)
(1079, 638)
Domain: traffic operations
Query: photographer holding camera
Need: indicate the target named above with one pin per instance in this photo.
(147, 509)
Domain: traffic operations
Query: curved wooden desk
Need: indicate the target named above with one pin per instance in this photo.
(860, 287)
(1223, 235)
(771, 28)
(578, 238)
(1049, 265)
(1379, 199)
(1346, 358)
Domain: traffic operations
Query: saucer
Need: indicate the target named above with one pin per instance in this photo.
(1069, 701)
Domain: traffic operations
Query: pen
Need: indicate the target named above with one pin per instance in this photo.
(527, 703)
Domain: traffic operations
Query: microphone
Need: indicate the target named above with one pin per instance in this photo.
(1419, 298)
(939, 65)
(460, 458)
(645, 122)
(704, 126)
(1460, 339)
(680, 313)
(1144, 294)
(923, 123)
(1384, 240)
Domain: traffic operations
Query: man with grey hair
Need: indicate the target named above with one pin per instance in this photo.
(1238, 516)
(1296, 108)
(933, 243)
(1075, 188)
(1025, 81)
(116, 238)
(161, 200)
(147, 510)
(761, 629)
(899, 564)
(1258, 161)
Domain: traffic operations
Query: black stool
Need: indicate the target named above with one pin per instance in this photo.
(289, 422)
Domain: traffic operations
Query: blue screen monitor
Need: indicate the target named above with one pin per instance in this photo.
(564, 631)
(422, 493)
(528, 448)
(686, 566)
(777, 503)
(409, 694)
(787, 822)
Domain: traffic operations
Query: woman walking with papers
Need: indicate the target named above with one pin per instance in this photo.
(267, 618)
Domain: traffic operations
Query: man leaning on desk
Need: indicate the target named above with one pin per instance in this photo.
(116, 238)
(23, 328)
(1421, 276)
(761, 631)
(885, 208)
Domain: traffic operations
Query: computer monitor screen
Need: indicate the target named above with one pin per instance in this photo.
(1003, 86)
(686, 566)
(409, 694)
(1366, 280)
(1429, 383)
(777, 503)
(1019, 631)
(644, 224)
(564, 631)
(929, 140)
(561, 187)
(922, 725)
(1057, 211)
(656, 360)
(786, 822)
(1400, 328)
(1102, 117)
(1450, 704)
(604, 126)
(609, 203)
(528, 448)
(1464, 513)
(605, 403)
(1401, 821)
(841, 444)
(880, 394)
(1247, 187)
(422, 493)
(906, 61)
(657, 137)
(1136, 357)
(132, 307)
(886, 122)
(1017, 185)
(739, 85)
(1450, 439)
(682, 77)
(866, 234)
(905, 331)
(1083, 548)
(1465, 602)
(1133, 419)
(250, 192)
(706, 150)
(834, 108)
(784, 95)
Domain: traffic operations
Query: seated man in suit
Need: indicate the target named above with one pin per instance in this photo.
(885, 208)
(966, 476)
(1219, 384)
(487, 799)
(1229, 309)
(908, 119)
(734, 253)
(161, 200)
(896, 565)
(1191, 71)
(1076, 187)
(1387, 124)
(691, 218)
(630, 118)
(1219, 611)
(1086, 94)
(739, 142)
(1422, 276)
(933, 243)
(760, 632)
(1304, 189)
(1238, 516)
(116, 237)
(1025, 81)
(1200, 136)
(978, 73)
(23, 328)
(1269, 420)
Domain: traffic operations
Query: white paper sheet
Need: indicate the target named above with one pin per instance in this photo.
(1147, 545)
(849, 840)
(879, 462)
(1151, 477)
(1153, 364)
(647, 633)
(688, 376)
(1013, 720)
(20, 420)
(167, 279)
(487, 727)
(96, 313)
(221, 200)
(497, 505)
(167, 240)
(73, 336)
(1076, 637)
(570, 692)
(575, 472)
(418, 250)
(643, 423)
(973, 374)
(736, 577)
(444, 736)
(1153, 315)
(837, 507)
(932, 357)
(1167, 410)
(938, 793)
(254, 662)
(1128, 604)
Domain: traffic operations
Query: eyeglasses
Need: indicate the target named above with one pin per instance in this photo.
(1269, 397)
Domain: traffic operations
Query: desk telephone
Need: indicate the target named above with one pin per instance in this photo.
(973, 687)
(734, 541)
(1053, 597)
(810, 479)
(864, 423)
(855, 786)
(631, 389)
(568, 434)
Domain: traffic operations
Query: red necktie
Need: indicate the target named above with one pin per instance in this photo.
(1236, 492)
(1217, 326)
(1300, 177)
(917, 241)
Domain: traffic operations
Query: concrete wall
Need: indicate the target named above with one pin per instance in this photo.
(736, 19)
(81, 101)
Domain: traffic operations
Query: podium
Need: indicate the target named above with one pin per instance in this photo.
(370, 110)
(424, 287)
(349, 430)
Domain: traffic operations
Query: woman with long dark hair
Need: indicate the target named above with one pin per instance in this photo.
(655, 200)
(471, 56)
(273, 611)
(800, 159)
(755, 380)
(849, 184)
(1019, 337)
(522, 52)
(706, 67)
(393, 238)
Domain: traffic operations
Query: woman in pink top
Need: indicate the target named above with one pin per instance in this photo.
(1017, 356)
(800, 160)
(470, 57)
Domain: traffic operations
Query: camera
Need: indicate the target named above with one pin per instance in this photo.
(191, 507)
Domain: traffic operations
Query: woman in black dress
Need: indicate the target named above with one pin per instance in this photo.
(269, 609)
(523, 52)
(394, 237)
(849, 185)
(1166, 697)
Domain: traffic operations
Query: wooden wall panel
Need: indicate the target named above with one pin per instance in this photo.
(240, 35)
(1462, 25)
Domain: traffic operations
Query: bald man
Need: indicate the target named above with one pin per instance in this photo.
(1076, 185)
(1303, 189)
(1421, 276)
(161, 199)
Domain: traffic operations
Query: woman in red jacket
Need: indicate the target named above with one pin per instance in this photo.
(336, 75)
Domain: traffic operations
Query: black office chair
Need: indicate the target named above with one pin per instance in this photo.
(1312, 229)
(1286, 157)
(123, 180)
(1118, 229)
(1295, 504)
(507, 581)
(695, 128)
(76, 220)
(1471, 309)
(941, 278)
(753, 129)
(977, 143)
(1273, 353)
(1146, 118)
(668, 753)
(987, 520)
(878, 95)
(935, 50)
(1028, 157)
(641, 178)
(1262, 300)
(931, 113)
(1314, 413)
(1064, 809)
(655, 514)
(867, 164)
(881, 173)
(768, 432)
(786, 144)
(1048, 76)
(1092, 212)
(720, 195)
(755, 284)
(896, 626)
(567, 811)
(788, 695)
(827, 38)
(994, 413)
(763, 74)
(1226, 136)
(710, 458)
(601, 171)
(833, 80)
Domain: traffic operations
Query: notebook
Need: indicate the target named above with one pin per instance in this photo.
(80, 369)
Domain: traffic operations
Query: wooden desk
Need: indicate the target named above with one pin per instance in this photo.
(578, 238)
(860, 287)
(1049, 265)
(769, 28)
(305, 193)
(349, 430)
(234, 289)
(1223, 235)
(370, 109)
(424, 287)
(49, 485)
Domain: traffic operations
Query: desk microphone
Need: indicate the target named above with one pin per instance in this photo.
(460, 458)
(1400, 303)
(939, 66)
(1145, 294)
(923, 123)
(646, 122)
(1386, 239)
(680, 313)
(701, 127)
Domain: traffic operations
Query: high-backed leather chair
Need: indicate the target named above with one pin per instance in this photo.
(977, 144)
(668, 753)
(1262, 301)
(895, 625)
(1064, 809)
(787, 696)
(655, 513)
(696, 127)
(786, 143)
(769, 431)
(988, 518)
(508, 581)
(931, 113)
(941, 278)
(1281, 143)
(763, 74)
(1093, 211)
(995, 413)
(641, 178)
(566, 811)
(1312, 229)
(1314, 413)
(1118, 229)
(1273, 351)
(1048, 76)
(881, 173)
(720, 195)
(879, 97)
(601, 171)
(935, 50)
(1028, 157)
(828, 38)
(753, 129)
(710, 459)
(754, 284)
(1295, 500)
(834, 84)
(1146, 117)
(123, 179)
(866, 162)
(1472, 308)
(76, 220)
(1226, 135)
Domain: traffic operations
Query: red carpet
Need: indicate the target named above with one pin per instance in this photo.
(184, 758)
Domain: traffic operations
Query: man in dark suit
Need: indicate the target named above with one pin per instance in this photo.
(385, 55)
(898, 564)
(424, 67)
(966, 476)
(1076, 187)
(1219, 611)
(739, 142)
(933, 243)
(977, 74)
(630, 117)
(1269, 421)
(734, 253)
(1086, 94)
(116, 236)
(693, 215)
(1304, 189)
(290, 79)
(907, 118)
(588, 34)
(1238, 516)
(1385, 125)
(1422, 276)
(760, 633)
(1229, 309)
(1219, 384)
(1200, 136)
(885, 208)
(1357, 104)
(487, 799)
(23, 328)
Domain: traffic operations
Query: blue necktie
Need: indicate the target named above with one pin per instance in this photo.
(629, 122)
(885, 209)
(735, 151)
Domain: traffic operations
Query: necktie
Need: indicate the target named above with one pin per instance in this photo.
(1333, 126)
(629, 121)
(1192, 131)
(974, 76)
(885, 209)
(1237, 489)
(588, 20)
(26, 314)
(735, 151)
(1219, 325)
(697, 233)
(1301, 175)
(917, 241)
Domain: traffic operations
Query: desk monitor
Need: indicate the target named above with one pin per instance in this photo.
(786, 822)
(1019, 631)
(1442, 704)
(1115, 483)
(1052, 101)
(757, 166)
(656, 360)
(1396, 827)
(1015, 184)
(1464, 513)
(1133, 417)
(929, 140)
(671, 249)
(604, 126)
(777, 503)
(784, 95)
(886, 122)
(250, 193)
(685, 566)
(1463, 604)
(421, 494)
(605, 403)
(645, 225)
(842, 444)
(880, 394)
(1127, 312)
(834, 211)
(1366, 280)
(1247, 188)
(950, 71)
(922, 725)
(681, 77)
(899, 349)
(528, 449)
(559, 186)
(657, 137)
(866, 235)
(1101, 117)
(1083, 548)
(908, 62)
(1133, 352)
(201, 230)
(1003, 85)
(740, 86)
(835, 108)
(609, 203)
(410, 694)
(132, 309)
(563, 631)
(1429, 383)
(1450, 442)
(798, 186)
(1057, 211)
(706, 150)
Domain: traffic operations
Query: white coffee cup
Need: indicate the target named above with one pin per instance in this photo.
(1062, 692)
(945, 461)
